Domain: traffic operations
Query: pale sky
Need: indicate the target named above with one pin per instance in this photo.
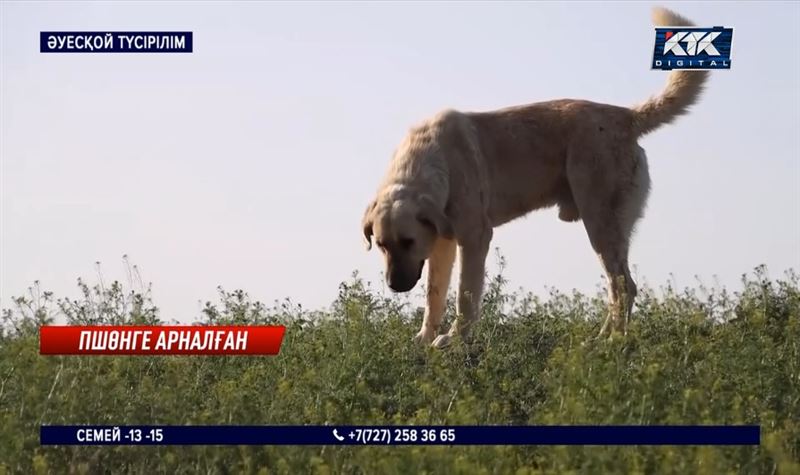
(249, 162)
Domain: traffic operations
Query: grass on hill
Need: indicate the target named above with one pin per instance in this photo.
(693, 356)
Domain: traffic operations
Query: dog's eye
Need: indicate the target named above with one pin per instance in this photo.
(406, 243)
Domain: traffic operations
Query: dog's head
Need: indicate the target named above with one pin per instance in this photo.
(405, 230)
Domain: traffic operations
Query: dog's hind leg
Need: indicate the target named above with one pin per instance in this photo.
(610, 194)
(440, 267)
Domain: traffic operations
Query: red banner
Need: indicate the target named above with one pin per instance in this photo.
(160, 340)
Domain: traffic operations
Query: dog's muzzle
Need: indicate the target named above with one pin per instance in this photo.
(400, 281)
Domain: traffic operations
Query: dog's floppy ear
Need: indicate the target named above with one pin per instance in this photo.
(366, 224)
(430, 215)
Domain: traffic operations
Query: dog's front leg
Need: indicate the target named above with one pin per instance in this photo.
(473, 254)
(440, 267)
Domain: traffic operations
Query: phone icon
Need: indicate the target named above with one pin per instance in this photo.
(338, 437)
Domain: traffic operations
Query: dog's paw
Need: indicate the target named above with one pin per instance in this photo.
(424, 337)
(590, 342)
(616, 335)
(442, 341)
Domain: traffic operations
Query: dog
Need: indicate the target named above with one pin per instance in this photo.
(457, 176)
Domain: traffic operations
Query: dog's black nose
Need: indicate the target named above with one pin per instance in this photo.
(401, 285)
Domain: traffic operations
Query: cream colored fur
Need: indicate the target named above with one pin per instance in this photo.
(459, 175)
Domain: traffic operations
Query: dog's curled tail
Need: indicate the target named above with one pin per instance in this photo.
(681, 92)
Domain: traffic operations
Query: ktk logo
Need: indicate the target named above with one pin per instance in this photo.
(696, 42)
(681, 47)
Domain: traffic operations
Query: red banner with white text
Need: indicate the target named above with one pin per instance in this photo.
(160, 340)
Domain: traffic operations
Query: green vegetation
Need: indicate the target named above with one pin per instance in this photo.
(694, 356)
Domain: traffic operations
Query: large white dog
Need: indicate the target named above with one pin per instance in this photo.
(458, 175)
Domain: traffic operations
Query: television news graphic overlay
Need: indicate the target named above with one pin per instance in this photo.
(399, 435)
(115, 42)
(160, 340)
(692, 48)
